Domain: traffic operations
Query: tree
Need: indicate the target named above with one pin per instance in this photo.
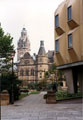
(54, 75)
(6, 80)
(52, 68)
(6, 47)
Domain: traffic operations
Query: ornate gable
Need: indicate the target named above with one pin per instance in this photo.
(27, 56)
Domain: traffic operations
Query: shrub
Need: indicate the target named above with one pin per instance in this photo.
(45, 96)
(6, 84)
(32, 85)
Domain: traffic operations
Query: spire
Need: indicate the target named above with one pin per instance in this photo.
(24, 32)
(23, 44)
(41, 49)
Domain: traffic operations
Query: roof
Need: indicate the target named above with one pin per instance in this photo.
(26, 55)
(50, 54)
(41, 49)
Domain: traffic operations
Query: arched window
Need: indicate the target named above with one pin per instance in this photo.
(21, 72)
(40, 59)
(40, 75)
(27, 72)
(32, 72)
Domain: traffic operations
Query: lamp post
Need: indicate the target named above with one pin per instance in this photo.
(12, 93)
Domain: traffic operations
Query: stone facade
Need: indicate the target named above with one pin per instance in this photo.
(23, 44)
(32, 68)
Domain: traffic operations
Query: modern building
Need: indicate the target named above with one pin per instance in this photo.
(32, 68)
(69, 42)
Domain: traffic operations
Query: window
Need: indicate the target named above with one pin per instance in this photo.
(40, 65)
(57, 20)
(40, 76)
(70, 41)
(21, 72)
(32, 72)
(40, 59)
(25, 62)
(35, 72)
(57, 45)
(69, 13)
(40, 73)
(27, 72)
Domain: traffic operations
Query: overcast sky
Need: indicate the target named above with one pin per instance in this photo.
(37, 16)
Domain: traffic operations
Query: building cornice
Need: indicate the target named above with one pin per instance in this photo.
(70, 65)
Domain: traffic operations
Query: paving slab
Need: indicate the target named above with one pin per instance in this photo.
(34, 107)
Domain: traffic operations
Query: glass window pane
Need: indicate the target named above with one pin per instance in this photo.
(21, 72)
(70, 41)
(57, 20)
(69, 13)
(27, 72)
(57, 45)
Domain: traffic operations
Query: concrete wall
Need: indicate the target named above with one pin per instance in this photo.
(68, 56)
(69, 80)
(74, 26)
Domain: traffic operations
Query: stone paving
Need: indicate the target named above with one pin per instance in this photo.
(33, 107)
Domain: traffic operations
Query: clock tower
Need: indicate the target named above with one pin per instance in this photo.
(23, 44)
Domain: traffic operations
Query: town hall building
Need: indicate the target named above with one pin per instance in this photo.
(32, 68)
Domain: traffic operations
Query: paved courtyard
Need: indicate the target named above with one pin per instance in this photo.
(33, 107)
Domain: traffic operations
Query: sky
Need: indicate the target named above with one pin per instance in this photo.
(37, 16)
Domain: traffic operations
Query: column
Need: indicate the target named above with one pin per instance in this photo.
(69, 79)
(80, 78)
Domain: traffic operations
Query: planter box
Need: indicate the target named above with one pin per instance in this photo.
(4, 98)
(51, 97)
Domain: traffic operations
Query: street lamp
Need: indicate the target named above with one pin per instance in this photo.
(12, 93)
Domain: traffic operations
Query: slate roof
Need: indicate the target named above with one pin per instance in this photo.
(41, 49)
(26, 55)
(51, 56)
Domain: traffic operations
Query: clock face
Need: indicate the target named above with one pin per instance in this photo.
(26, 62)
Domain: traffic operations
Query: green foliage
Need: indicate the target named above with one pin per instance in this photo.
(46, 74)
(52, 69)
(42, 85)
(60, 75)
(5, 44)
(32, 85)
(1, 32)
(60, 83)
(6, 84)
(6, 48)
(23, 95)
(63, 95)
(45, 96)
(49, 86)
(35, 92)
